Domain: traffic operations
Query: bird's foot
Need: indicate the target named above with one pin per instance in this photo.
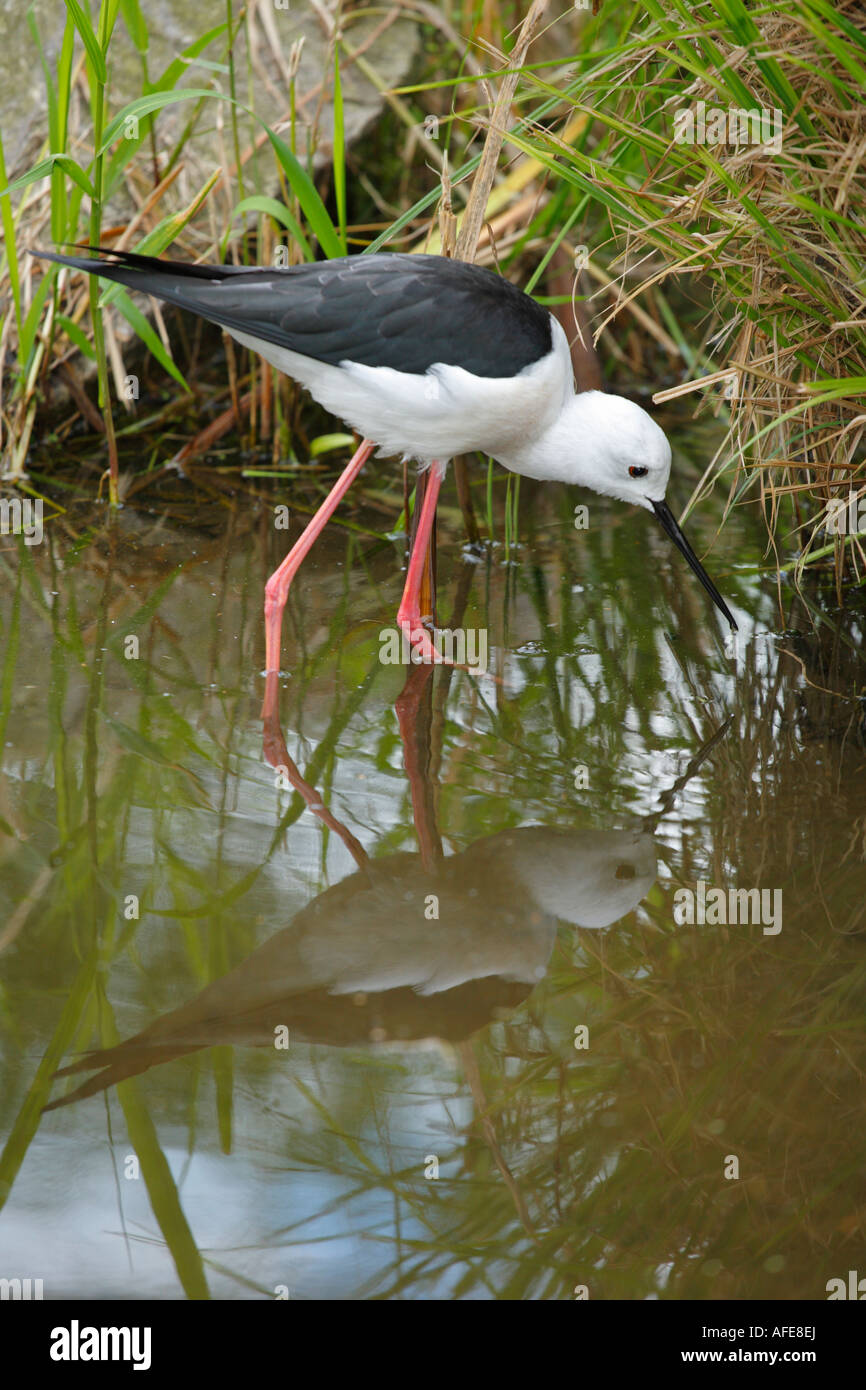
(424, 649)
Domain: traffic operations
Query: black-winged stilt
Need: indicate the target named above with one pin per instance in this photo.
(425, 357)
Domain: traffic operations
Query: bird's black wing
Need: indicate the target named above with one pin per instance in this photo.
(385, 310)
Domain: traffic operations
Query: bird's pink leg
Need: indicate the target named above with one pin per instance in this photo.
(277, 754)
(277, 587)
(414, 712)
(409, 613)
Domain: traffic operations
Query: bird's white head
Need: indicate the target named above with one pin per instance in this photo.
(617, 449)
(611, 445)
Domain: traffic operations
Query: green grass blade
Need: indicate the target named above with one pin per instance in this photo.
(148, 335)
(339, 153)
(81, 20)
(43, 169)
(305, 191)
(8, 223)
(146, 105)
(258, 202)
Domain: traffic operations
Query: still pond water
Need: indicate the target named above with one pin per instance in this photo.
(401, 1004)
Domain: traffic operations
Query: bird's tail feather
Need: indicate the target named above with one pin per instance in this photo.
(104, 261)
(115, 1065)
(198, 288)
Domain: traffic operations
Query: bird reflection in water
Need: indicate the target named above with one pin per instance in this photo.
(369, 961)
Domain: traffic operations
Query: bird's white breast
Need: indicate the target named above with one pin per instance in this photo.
(447, 411)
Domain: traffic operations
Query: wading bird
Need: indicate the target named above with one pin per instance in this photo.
(425, 357)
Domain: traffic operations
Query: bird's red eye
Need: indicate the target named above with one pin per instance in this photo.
(636, 472)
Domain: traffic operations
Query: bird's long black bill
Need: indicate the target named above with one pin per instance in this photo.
(669, 522)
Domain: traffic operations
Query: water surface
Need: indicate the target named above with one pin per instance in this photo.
(403, 1006)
